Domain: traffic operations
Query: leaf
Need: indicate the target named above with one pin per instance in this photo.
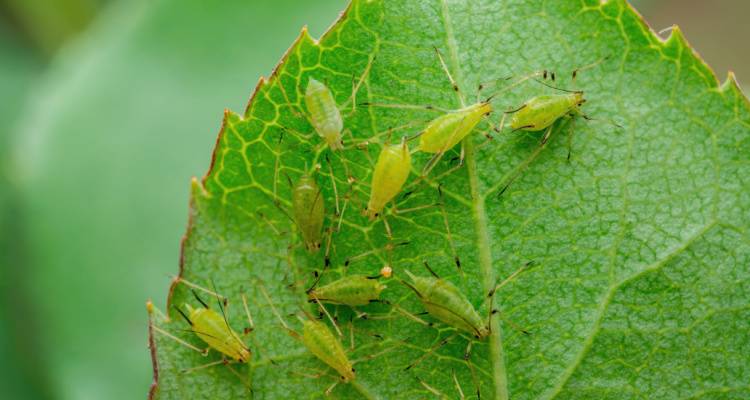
(640, 288)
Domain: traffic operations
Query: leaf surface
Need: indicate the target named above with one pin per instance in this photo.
(640, 241)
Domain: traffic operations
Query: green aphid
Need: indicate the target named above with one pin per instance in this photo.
(445, 302)
(320, 341)
(308, 211)
(354, 290)
(542, 111)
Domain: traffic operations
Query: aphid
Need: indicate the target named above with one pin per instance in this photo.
(353, 290)
(308, 211)
(445, 302)
(324, 113)
(388, 177)
(212, 328)
(321, 342)
(541, 112)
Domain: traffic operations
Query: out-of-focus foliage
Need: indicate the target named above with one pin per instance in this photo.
(17, 70)
(119, 124)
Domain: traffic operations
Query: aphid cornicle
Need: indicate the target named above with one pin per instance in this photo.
(388, 177)
(354, 290)
(308, 211)
(324, 113)
(446, 303)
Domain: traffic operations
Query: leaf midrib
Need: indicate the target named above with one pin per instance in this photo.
(497, 361)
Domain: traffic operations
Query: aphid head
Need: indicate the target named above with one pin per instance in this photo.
(313, 86)
(579, 98)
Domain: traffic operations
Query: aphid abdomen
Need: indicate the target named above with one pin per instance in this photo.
(447, 130)
(324, 345)
(355, 290)
(308, 210)
(391, 171)
(324, 113)
(542, 111)
(211, 327)
(446, 303)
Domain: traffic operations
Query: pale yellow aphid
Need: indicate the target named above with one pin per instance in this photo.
(324, 113)
(390, 173)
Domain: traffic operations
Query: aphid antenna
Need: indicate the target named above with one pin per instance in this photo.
(557, 88)
(589, 66)
(509, 322)
(198, 287)
(518, 82)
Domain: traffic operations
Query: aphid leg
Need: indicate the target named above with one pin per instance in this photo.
(571, 130)
(467, 352)
(330, 388)
(430, 388)
(432, 350)
(333, 183)
(203, 352)
(454, 85)
(275, 311)
(525, 164)
(576, 71)
(330, 318)
(355, 86)
(449, 235)
(458, 385)
(203, 366)
(251, 326)
(427, 107)
(407, 313)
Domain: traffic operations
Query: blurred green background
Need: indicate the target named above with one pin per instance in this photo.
(107, 108)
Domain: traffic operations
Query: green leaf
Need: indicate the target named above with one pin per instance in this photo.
(640, 288)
